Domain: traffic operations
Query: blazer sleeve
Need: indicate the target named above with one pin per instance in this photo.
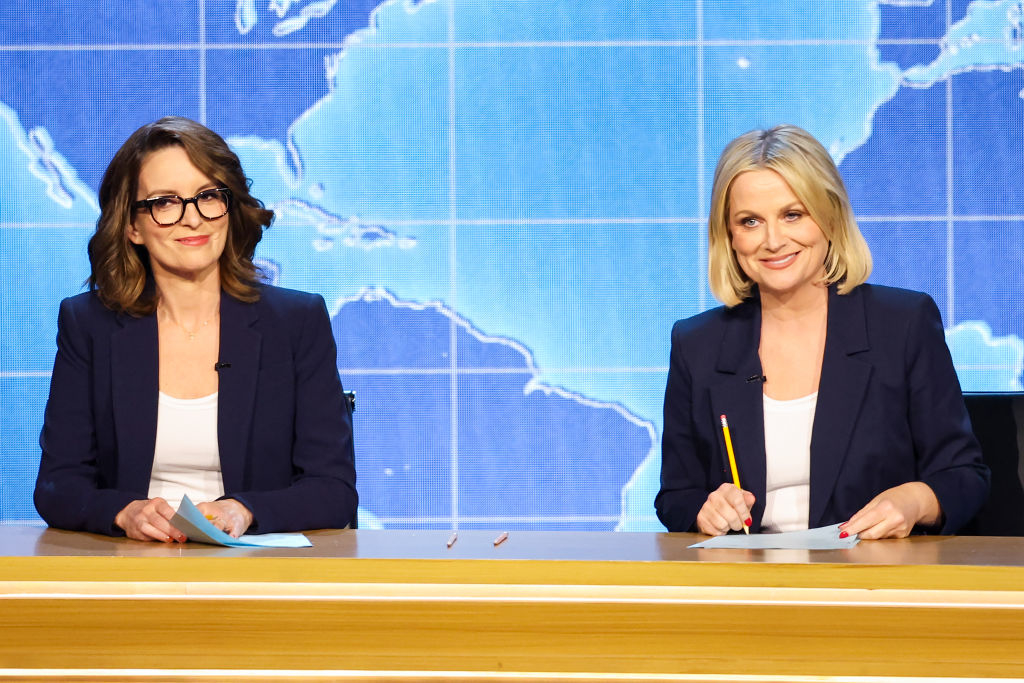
(322, 492)
(948, 454)
(72, 490)
(684, 466)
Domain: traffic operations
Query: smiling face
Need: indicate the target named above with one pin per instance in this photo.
(191, 248)
(776, 242)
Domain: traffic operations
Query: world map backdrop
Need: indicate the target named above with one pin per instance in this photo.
(504, 203)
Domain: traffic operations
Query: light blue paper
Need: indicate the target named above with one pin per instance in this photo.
(194, 524)
(822, 538)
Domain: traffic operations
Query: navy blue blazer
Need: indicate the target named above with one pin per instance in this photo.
(283, 425)
(889, 411)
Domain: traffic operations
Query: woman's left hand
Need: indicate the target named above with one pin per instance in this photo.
(228, 515)
(893, 513)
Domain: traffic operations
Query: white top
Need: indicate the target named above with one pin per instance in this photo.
(187, 457)
(787, 447)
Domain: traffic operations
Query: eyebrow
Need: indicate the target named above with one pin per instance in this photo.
(788, 207)
(169, 193)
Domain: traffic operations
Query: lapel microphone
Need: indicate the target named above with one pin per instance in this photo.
(757, 378)
(218, 366)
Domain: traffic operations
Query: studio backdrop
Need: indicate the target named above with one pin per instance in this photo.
(504, 203)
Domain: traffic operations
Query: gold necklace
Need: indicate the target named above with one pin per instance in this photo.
(191, 333)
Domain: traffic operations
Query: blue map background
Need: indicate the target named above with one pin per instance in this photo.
(504, 202)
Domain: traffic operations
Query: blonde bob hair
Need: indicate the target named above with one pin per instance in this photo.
(809, 171)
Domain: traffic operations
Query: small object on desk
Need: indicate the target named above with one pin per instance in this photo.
(732, 463)
(454, 537)
(197, 527)
(822, 538)
(502, 537)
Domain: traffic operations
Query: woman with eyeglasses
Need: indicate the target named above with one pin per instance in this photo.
(180, 373)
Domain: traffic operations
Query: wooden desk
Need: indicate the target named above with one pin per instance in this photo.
(398, 605)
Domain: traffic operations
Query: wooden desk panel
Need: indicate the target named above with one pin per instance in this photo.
(586, 605)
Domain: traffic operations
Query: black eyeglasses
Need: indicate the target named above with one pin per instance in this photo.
(169, 209)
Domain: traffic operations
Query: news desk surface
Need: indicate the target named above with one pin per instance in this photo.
(397, 605)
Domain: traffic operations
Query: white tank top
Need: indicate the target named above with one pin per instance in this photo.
(186, 458)
(787, 448)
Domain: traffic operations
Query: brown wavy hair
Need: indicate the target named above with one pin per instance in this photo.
(121, 272)
(808, 169)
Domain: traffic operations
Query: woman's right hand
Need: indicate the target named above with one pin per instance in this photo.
(149, 520)
(726, 508)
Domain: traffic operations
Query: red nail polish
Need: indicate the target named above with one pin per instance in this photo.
(748, 521)
(843, 534)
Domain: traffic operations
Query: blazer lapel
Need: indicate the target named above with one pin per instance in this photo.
(738, 396)
(841, 391)
(135, 387)
(239, 367)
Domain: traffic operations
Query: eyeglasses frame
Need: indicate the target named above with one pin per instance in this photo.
(148, 205)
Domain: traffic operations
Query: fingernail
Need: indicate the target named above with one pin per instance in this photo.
(748, 521)
(843, 534)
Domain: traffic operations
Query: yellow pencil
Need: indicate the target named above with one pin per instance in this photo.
(732, 461)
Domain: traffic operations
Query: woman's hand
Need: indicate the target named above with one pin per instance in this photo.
(228, 515)
(726, 508)
(893, 513)
(149, 520)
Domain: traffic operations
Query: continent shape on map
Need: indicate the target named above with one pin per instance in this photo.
(376, 147)
(991, 36)
(536, 455)
(41, 197)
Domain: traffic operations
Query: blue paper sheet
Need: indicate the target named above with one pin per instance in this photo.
(193, 524)
(822, 538)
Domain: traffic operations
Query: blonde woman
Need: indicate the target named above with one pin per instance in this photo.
(841, 398)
